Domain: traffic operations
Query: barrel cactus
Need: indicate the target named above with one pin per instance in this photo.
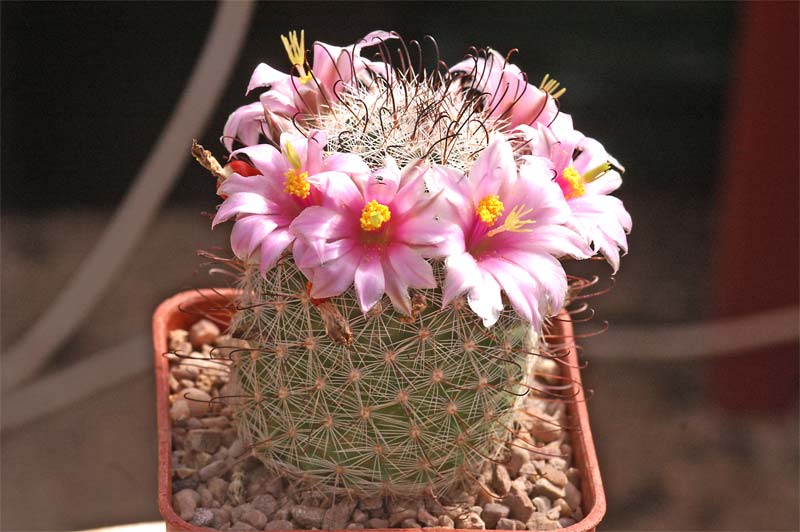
(398, 237)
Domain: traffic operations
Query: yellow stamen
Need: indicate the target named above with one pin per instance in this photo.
(575, 181)
(374, 216)
(297, 183)
(550, 86)
(514, 222)
(490, 209)
(594, 173)
(292, 156)
(296, 50)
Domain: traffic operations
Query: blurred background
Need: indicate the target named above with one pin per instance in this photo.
(694, 412)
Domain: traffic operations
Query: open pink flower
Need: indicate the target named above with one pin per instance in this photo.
(507, 94)
(376, 235)
(513, 231)
(586, 174)
(291, 180)
(288, 95)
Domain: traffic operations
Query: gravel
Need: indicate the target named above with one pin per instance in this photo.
(217, 483)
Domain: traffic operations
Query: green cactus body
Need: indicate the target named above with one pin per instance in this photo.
(376, 403)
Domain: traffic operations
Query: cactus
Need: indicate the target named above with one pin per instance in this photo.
(375, 403)
(345, 387)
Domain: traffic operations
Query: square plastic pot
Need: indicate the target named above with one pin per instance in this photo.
(182, 310)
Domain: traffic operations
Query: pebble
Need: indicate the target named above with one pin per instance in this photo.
(518, 502)
(398, 517)
(180, 411)
(221, 517)
(185, 501)
(510, 524)
(279, 525)
(425, 518)
(198, 401)
(206, 497)
(255, 518)
(236, 449)
(215, 422)
(566, 521)
(206, 440)
(241, 525)
(542, 486)
(377, 523)
(445, 521)
(355, 526)
(501, 480)
(338, 516)
(409, 523)
(493, 512)
(556, 476)
(266, 504)
(542, 504)
(214, 469)
(190, 483)
(540, 521)
(359, 516)
(202, 517)
(573, 496)
(519, 457)
(203, 332)
(370, 503)
(218, 488)
(470, 521)
(307, 516)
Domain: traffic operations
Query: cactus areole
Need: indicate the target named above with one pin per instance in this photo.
(398, 235)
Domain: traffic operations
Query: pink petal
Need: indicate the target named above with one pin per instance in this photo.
(484, 299)
(348, 163)
(338, 189)
(410, 266)
(248, 232)
(263, 76)
(462, 273)
(317, 222)
(272, 247)
(518, 286)
(265, 158)
(369, 281)
(243, 124)
(335, 277)
(382, 185)
(243, 203)
(494, 166)
(396, 289)
(549, 276)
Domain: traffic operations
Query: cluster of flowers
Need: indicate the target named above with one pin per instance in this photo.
(537, 191)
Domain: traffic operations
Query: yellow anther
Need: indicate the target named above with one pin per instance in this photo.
(514, 222)
(296, 50)
(374, 216)
(297, 183)
(292, 155)
(575, 182)
(550, 86)
(490, 209)
(594, 173)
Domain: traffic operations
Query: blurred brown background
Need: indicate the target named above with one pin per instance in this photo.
(698, 100)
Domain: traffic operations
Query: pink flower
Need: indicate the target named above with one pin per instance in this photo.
(289, 95)
(586, 174)
(291, 180)
(513, 232)
(376, 235)
(507, 94)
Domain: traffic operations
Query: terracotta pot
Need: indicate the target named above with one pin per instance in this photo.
(183, 309)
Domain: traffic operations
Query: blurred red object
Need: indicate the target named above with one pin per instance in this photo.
(756, 255)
